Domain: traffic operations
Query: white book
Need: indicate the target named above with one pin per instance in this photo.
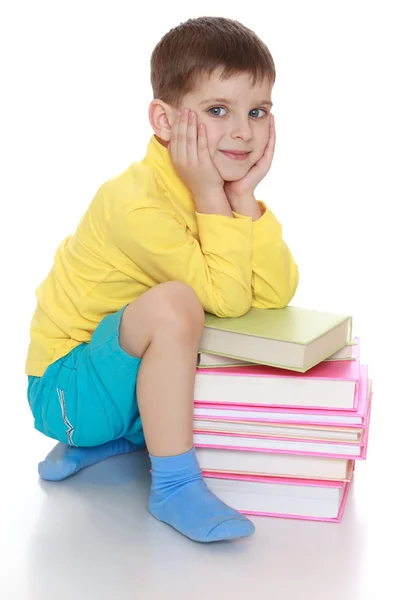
(266, 463)
(208, 411)
(276, 445)
(275, 415)
(275, 391)
(252, 413)
(271, 496)
(296, 431)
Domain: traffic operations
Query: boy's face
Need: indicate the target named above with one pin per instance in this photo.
(236, 116)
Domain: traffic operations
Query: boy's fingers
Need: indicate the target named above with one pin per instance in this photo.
(202, 145)
(268, 154)
(182, 138)
(273, 130)
(272, 139)
(192, 154)
(174, 136)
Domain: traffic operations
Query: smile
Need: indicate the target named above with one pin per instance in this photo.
(235, 155)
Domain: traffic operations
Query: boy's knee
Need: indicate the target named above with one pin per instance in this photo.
(180, 309)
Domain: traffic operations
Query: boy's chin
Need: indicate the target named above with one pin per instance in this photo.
(233, 174)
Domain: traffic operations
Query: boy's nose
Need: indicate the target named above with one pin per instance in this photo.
(242, 130)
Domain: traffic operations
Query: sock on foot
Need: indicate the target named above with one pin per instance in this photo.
(65, 460)
(179, 496)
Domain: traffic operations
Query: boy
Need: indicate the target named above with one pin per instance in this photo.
(115, 334)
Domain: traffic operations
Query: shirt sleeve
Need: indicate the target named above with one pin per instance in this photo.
(275, 274)
(217, 265)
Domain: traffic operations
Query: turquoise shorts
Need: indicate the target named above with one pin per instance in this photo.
(88, 397)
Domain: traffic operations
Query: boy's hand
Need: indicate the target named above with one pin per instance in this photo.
(242, 190)
(191, 157)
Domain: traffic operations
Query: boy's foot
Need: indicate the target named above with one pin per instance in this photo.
(180, 497)
(65, 460)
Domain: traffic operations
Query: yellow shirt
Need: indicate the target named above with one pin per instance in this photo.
(142, 229)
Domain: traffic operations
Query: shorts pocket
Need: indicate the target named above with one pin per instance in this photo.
(60, 414)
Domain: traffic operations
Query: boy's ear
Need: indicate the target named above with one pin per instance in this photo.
(160, 117)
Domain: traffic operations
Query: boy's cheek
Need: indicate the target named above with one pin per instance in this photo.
(253, 162)
(218, 168)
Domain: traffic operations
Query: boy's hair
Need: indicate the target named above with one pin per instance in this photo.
(201, 46)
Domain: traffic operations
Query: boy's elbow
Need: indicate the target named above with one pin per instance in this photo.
(288, 292)
(280, 295)
(283, 301)
(233, 309)
(237, 312)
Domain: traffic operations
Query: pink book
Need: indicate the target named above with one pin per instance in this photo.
(284, 415)
(310, 499)
(257, 443)
(329, 385)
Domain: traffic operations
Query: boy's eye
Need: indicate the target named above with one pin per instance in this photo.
(258, 110)
(214, 111)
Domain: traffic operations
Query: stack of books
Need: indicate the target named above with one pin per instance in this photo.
(282, 411)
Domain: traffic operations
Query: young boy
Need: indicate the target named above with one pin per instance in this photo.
(115, 334)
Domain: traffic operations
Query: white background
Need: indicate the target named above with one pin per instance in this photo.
(75, 88)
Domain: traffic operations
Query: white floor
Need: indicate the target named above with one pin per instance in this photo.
(91, 536)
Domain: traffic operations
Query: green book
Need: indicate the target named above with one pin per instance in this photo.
(289, 338)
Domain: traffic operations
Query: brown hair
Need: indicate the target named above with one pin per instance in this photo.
(199, 47)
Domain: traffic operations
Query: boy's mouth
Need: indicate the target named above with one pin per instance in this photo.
(235, 154)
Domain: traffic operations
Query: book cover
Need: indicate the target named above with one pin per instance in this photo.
(327, 385)
(291, 338)
(314, 499)
(290, 324)
(315, 416)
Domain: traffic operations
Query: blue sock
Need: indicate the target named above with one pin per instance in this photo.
(180, 497)
(64, 460)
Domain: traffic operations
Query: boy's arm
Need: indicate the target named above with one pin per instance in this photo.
(155, 239)
(218, 266)
(275, 273)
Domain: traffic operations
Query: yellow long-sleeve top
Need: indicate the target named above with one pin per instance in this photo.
(142, 229)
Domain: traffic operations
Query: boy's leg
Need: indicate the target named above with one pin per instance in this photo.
(164, 327)
(63, 460)
(138, 321)
(156, 314)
